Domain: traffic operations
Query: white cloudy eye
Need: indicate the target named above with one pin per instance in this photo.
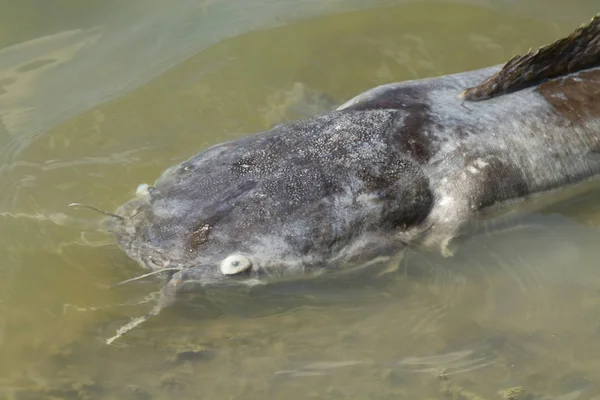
(235, 264)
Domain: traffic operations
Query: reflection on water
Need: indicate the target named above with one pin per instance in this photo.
(518, 307)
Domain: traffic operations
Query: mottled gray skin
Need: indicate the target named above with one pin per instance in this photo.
(406, 164)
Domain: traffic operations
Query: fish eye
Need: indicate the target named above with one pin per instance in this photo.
(235, 264)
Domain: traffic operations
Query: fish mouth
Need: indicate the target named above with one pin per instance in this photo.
(125, 229)
(119, 223)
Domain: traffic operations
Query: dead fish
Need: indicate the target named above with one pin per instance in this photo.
(408, 164)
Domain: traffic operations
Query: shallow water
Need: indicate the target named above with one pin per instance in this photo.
(96, 98)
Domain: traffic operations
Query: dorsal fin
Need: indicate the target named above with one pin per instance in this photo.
(574, 53)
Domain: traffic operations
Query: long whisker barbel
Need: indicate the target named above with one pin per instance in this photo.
(144, 276)
(97, 210)
(167, 298)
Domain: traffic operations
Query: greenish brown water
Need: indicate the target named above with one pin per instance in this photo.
(96, 98)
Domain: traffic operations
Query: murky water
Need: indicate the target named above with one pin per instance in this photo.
(97, 97)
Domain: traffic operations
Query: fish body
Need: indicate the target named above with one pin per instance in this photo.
(409, 164)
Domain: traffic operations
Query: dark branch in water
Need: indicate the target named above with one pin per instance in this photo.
(97, 210)
(577, 52)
